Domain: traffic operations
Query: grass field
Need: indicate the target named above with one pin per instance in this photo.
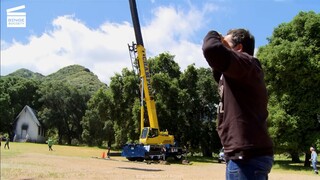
(35, 161)
(59, 150)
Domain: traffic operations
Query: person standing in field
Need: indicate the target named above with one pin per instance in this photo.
(108, 152)
(50, 143)
(242, 111)
(7, 142)
(314, 159)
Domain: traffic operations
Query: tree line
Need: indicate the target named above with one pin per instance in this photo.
(185, 101)
(185, 104)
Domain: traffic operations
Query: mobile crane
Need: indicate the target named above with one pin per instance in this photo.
(153, 143)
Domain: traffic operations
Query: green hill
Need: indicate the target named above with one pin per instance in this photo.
(76, 75)
(25, 73)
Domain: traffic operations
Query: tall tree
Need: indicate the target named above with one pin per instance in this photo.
(97, 123)
(191, 105)
(207, 90)
(291, 61)
(63, 108)
(164, 63)
(199, 96)
(165, 82)
(125, 92)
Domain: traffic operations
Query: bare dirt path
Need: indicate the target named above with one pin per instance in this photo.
(41, 166)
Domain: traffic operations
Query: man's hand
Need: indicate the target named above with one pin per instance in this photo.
(224, 42)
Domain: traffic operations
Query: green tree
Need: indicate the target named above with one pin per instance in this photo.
(190, 104)
(165, 82)
(291, 61)
(185, 104)
(15, 93)
(207, 90)
(63, 108)
(97, 123)
(164, 63)
(198, 97)
(167, 103)
(125, 92)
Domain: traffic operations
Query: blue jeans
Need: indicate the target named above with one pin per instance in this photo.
(256, 168)
(314, 166)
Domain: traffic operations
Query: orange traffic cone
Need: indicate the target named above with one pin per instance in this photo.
(103, 155)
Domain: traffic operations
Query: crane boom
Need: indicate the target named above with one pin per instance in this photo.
(144, 68)
(136, 23)
(153, 143)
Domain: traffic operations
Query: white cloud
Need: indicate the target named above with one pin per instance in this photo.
(4, 45)
(173, 29)
(104, 50)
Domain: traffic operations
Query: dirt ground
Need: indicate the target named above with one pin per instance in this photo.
(60, 167)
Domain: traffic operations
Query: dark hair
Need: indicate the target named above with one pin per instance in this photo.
(243, 36)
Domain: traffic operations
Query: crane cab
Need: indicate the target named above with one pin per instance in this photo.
(154, 136)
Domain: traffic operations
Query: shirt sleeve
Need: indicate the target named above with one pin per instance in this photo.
(230, 63)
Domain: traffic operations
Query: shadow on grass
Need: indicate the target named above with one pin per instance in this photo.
(139, 169)
(289, 165)
(202, 159)
(278, 164)
(194, 159)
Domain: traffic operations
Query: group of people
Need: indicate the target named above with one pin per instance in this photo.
(6, 145)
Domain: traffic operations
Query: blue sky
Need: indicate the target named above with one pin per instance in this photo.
(95, 33)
